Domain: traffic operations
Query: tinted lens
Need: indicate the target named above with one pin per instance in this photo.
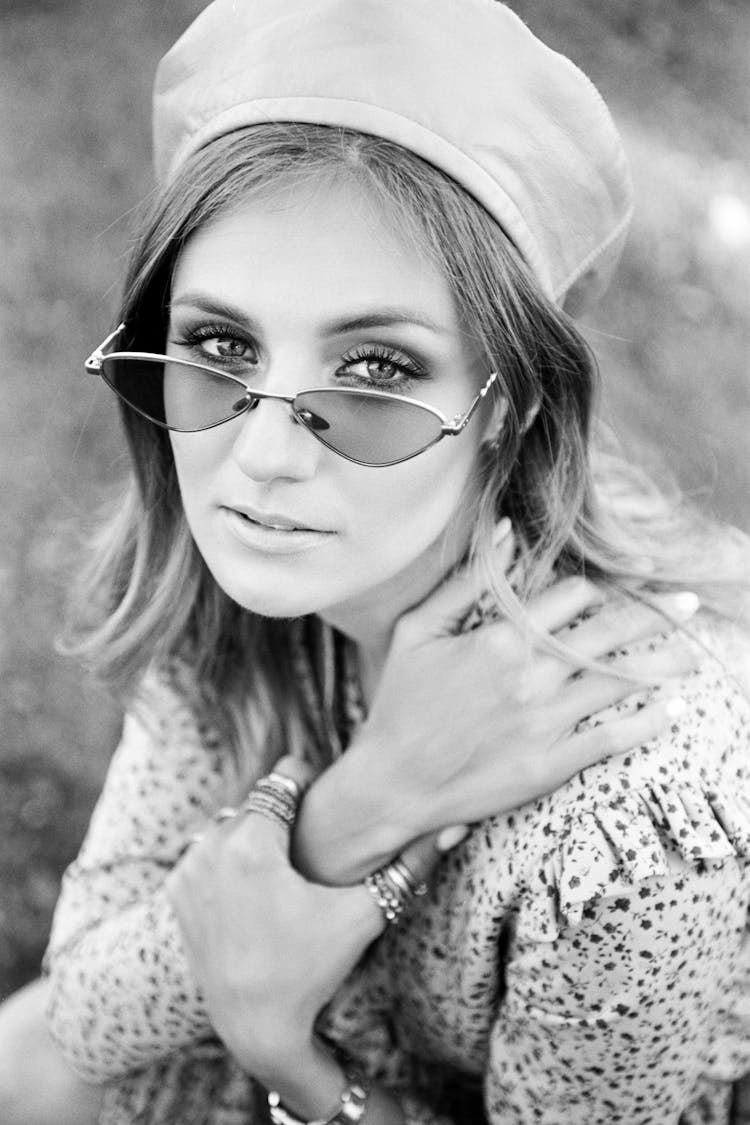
(174, 394)
(368, 428)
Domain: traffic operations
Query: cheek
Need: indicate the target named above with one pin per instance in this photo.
(412, 504)
(197, 459)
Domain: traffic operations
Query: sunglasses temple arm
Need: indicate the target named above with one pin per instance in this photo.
(93, 364)
(461, 421)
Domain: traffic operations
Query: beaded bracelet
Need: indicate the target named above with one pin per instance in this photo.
(349, 1112)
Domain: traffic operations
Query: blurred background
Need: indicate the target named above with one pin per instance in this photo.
(673, 336)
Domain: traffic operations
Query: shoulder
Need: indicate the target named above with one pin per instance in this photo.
(710, 736)
(169, 745)
(171, 720)
(682, 800)
(708, 739)
(169, 701)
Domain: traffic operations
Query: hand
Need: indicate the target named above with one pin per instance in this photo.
(268, 948)
(465, 726)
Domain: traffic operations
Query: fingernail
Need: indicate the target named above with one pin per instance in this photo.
(675, 707)
(501, 531)
(686, 603)
(449, 837)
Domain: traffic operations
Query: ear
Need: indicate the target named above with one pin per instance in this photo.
(496, 420)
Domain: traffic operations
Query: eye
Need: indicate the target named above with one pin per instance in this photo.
(382, 370)
(226, 347)
(217, 345)
(380, 366)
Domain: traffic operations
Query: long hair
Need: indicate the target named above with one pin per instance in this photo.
(573, 507)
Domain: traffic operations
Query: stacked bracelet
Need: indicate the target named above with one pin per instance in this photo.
(393, 887)
(389, 898)
(351, 1109)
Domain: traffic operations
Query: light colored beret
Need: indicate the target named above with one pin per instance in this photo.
(462, 83)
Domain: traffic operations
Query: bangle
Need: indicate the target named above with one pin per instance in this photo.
(351, 1109)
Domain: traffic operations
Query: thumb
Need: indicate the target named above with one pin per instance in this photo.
(419, 860)
(272, 804)
(296, 770)
(422, 856)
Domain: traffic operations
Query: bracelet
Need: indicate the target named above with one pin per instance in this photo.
(349, 1112)
(388, 896)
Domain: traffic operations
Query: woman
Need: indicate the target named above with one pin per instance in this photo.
(365, 500)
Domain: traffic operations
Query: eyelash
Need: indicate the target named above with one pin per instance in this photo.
(408, 370)
(192, 338)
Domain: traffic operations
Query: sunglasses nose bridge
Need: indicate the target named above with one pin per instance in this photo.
(251, 399)
(265, 445)
(302, 415)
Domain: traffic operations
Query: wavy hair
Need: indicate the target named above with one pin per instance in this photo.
(574, 507)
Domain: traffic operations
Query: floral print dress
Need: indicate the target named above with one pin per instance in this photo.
(581, 959)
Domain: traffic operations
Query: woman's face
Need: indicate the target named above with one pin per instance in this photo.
(313, 288)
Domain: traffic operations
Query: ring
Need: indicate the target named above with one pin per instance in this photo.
(392, 887)
(275, 797)
(293, 787)
(397, 870)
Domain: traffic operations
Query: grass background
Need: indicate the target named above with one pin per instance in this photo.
(673, 335)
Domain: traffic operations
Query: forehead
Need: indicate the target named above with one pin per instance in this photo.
(323, 245)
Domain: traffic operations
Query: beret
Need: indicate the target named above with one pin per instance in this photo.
(464, 84)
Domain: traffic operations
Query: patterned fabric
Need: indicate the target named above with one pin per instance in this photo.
(583, 958)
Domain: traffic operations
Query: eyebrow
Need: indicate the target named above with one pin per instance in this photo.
(378, 318)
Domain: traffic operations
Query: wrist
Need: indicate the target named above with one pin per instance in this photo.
(352, 1098)
(308, 1080)
(347, 824)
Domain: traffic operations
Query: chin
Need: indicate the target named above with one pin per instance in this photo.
(268, 603)
(283, 601)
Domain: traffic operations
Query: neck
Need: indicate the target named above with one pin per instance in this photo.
(370, 620)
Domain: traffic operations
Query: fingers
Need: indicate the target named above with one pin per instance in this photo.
(269, 810)
(595, 691)
(617, 626)
(616, 736)
(591, 640)
(296, 770)
(673, 659)
(275, 800)
(451, 837)
(562, 603)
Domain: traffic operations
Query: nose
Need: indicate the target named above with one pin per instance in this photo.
(271, 444)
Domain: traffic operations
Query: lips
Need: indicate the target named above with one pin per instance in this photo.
(275, 521)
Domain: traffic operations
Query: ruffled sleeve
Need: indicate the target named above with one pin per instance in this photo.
(626, 981)
(633, 836)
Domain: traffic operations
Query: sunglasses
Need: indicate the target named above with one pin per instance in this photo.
(373, 428)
